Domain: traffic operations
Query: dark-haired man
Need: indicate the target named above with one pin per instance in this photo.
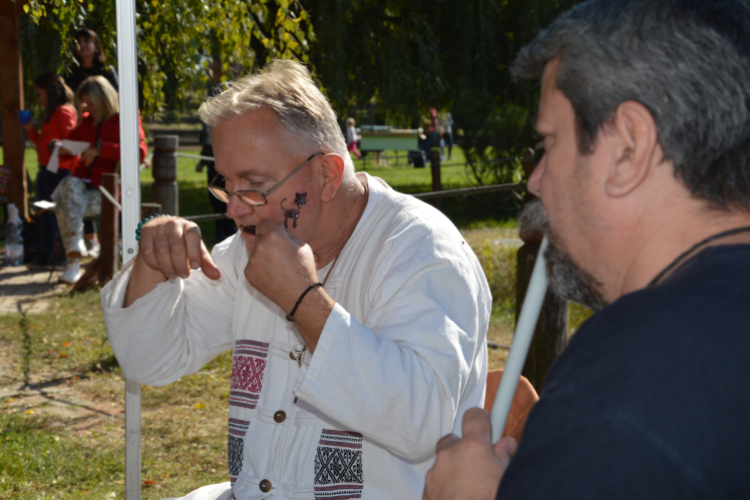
(646, 183)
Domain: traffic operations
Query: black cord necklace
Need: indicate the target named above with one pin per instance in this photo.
(690, 250)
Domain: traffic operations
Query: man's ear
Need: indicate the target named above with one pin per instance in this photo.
(332, 170)
(637, 148)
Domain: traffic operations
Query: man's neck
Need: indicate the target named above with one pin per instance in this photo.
(665, 243)
(341, 217)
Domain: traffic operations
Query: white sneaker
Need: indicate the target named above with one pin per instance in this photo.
(72, 272)
(93, 248)
(79, 246)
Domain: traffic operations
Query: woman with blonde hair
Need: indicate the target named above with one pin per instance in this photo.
(79, 194)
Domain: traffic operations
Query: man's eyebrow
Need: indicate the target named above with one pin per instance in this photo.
(244, 174)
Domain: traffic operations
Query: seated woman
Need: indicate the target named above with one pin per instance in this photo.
(79, 194)
(58, 121)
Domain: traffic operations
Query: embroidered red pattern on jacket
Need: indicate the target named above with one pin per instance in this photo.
(248, 365)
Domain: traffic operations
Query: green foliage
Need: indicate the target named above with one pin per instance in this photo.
(499, 265)
(176, 39)
(399, 58)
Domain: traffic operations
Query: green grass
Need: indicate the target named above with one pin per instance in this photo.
(41, 462)
(184, 424)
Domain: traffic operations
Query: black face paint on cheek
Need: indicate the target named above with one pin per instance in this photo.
(291, 213)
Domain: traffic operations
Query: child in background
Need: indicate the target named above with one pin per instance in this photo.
(59, 119)
(352, 137)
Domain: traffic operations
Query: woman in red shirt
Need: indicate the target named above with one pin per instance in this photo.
(79, 194)
(59, 119)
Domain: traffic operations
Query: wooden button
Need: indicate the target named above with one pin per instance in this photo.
(292, 356)
(265, 486)
(279, 416)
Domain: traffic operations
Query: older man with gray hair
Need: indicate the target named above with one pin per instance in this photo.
(357, 315)
(645, 115)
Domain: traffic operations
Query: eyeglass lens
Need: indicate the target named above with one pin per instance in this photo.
(249, 197)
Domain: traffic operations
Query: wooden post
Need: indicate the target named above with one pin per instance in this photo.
(164, 190)
(149, 209)
(11, 101)
(434, 156)
(550, 336)
(109, 256)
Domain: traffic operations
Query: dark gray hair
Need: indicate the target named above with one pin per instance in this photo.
(687, 61)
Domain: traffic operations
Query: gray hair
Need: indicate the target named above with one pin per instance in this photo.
(286, 88)
(687, 61)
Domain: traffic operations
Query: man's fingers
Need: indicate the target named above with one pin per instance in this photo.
(193, 240)
(505, 449)
(446, 441)
(207, 264)
(476, 424)
(178, 250)
(264, 228)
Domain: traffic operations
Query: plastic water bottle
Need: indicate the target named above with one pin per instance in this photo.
(13, 238)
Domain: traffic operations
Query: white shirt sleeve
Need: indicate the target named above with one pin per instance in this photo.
(401, 378)
(155, 348)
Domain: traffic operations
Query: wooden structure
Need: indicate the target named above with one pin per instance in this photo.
(109, 258)
(551, 334)
(11, 101)
(164, 191)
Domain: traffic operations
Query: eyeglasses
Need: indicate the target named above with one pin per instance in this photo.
(253, 197)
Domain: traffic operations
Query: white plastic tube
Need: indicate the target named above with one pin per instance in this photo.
(527, 320)
(131, 213)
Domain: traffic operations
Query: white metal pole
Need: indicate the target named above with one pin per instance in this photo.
(131, 203)
(527, 320)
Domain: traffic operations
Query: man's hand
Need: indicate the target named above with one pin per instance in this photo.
(281, 267)
(170, 248)
(470, 467)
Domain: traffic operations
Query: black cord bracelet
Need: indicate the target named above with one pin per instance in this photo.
(290, 316)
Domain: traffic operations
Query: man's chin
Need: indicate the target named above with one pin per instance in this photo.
(566, 278)
(571, 282)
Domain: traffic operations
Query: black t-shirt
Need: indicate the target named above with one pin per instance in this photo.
(651, 399)
(74, 75)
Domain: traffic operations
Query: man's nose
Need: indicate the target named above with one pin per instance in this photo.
(535, 180)
(237, 208)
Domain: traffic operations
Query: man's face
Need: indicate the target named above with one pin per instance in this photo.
(250, 154)
(566, 183)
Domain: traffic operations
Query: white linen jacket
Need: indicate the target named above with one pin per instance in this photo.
(401, 358)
